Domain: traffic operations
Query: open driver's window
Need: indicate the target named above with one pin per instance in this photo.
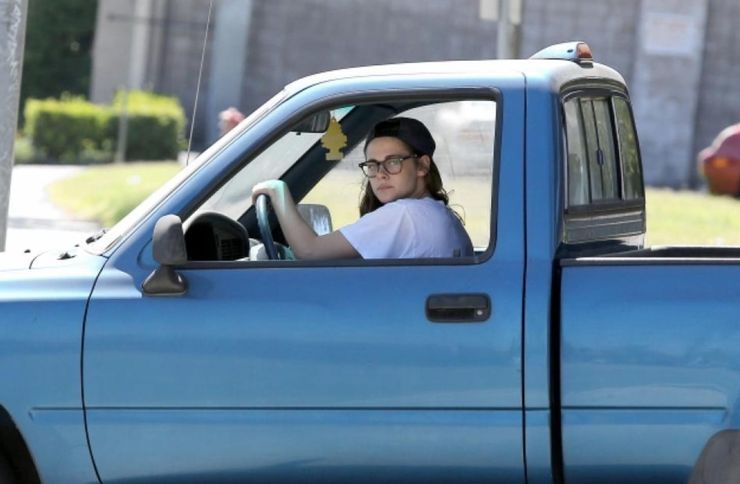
(464, 133)
(320, 165)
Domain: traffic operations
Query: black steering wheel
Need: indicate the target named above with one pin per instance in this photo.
(263, 221)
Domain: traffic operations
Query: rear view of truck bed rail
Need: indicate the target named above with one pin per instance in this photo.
(662, 255)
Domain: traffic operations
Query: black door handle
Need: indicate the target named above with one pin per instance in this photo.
(458, 308)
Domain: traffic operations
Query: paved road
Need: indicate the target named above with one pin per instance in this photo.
(34, 222)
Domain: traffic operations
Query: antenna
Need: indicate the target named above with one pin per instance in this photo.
(200, 76)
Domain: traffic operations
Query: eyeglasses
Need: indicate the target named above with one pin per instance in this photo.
(391, 166)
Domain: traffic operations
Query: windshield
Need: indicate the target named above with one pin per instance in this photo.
(105, 240)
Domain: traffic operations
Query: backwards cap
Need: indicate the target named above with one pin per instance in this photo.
(410, 131)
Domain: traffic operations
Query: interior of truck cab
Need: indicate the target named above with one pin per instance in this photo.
(318, 157)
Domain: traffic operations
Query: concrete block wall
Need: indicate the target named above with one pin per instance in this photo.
(666, 87)
(293, 39)
(179, 61)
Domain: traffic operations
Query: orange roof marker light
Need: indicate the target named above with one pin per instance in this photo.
(576, 51)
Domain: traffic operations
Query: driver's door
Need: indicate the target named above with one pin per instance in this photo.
(298, 372)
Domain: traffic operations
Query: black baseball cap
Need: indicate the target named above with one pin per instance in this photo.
(410, 131)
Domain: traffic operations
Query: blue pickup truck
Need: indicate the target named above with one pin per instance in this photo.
(186, 345)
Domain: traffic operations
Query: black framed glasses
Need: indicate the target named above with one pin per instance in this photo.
(391, 165)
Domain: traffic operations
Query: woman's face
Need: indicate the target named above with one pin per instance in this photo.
(409, 183)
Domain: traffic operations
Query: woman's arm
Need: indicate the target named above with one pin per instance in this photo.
(300, 236)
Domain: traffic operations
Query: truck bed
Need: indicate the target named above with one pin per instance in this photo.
(649, 345)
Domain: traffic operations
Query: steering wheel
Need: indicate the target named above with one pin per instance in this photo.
(263, 222)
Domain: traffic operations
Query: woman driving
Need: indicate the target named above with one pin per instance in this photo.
(404, 208)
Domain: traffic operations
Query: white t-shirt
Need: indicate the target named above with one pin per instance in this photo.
(409, 228)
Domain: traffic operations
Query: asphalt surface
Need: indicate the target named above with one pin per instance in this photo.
(34, 222)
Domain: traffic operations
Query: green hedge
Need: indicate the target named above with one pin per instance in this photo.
(155, 125)
(66, 129)
(74, 130)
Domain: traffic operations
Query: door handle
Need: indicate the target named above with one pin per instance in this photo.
(458, 308)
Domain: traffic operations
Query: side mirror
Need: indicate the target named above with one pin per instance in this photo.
(168, 247)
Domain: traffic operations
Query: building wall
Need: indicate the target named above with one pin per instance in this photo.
(288, 39)
(174, 31)
(111, 50)
(668, 65)
(179, 60)
(291, 39)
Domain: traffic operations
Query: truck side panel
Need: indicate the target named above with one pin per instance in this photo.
(650, 366)
(353, 445)
(41, 315)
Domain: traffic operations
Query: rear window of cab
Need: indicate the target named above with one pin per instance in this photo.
(602, 153)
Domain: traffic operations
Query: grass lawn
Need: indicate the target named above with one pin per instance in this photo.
(691, 218)
(107, 193)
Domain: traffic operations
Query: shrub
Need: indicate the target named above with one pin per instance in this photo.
(155, 125)
(74, 130)
(61, 130)
(23, 152)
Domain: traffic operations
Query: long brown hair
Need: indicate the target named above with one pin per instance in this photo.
(433, 181)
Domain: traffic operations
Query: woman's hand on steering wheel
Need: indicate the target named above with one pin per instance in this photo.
(278, 193)
(263, 221)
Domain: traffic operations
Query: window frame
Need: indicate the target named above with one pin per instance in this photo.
(400, 96)
(600, 205)
(598, 223)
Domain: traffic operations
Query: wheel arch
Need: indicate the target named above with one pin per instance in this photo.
(13, 446)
